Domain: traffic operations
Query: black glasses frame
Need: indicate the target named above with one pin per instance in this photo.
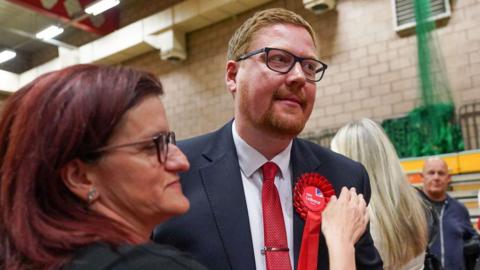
(266, 50)
(162, 140)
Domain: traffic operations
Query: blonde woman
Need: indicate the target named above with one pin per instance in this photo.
(397, 217)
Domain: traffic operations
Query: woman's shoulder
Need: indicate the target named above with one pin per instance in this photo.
(102, 256)
(416, 263)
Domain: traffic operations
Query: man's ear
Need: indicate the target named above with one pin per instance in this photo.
(231, 76)
(78, 179)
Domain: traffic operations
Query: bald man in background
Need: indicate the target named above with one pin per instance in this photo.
(454, 226)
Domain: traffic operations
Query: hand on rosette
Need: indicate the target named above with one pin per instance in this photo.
(344, 221)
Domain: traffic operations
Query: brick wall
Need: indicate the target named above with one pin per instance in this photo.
(372, 70)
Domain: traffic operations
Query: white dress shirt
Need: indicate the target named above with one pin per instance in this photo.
(251, 161)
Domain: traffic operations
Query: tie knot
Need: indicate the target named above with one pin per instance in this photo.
(269, 171)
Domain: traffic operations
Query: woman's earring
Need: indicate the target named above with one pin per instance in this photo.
(91, 195)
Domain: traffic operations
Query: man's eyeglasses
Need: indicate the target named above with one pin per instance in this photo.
(160, 141)
(283, 61)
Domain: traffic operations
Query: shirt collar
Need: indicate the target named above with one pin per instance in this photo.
(250, 159)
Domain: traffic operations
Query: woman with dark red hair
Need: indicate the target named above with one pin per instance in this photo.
(88, 167)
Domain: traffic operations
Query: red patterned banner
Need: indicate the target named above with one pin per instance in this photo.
(66, 10)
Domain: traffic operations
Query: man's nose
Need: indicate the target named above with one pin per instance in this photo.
(296, 74)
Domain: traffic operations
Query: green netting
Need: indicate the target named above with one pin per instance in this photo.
(413, 136)
(430, 128)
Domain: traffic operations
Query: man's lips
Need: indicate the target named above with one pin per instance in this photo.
(292, 100)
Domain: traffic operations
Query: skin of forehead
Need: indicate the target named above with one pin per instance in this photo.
(433, 159)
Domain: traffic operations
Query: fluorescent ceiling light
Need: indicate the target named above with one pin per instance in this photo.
(49, 32)
(100, 6)
(6, 55)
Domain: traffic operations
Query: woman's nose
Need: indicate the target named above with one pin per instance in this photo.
(176, 161)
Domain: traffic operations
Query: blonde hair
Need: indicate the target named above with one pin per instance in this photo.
(395, 207)
(241, 39)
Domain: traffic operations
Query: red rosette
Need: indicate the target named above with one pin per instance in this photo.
(310, 197)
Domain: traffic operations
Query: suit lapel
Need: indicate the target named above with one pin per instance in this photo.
(223, 185)
(302, 161)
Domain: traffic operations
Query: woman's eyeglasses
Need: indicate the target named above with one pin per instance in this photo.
(161, 142)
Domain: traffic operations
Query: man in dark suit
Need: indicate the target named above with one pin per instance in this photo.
(453, 228)
(272, 70)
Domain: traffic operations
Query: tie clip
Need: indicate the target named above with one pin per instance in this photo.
(274, 249)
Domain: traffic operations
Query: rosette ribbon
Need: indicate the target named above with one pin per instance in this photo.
(311, 195)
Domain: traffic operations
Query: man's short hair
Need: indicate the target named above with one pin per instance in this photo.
(241, 39)
(432, 158)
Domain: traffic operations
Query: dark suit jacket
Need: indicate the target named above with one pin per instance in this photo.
(150, 256)
(216, 229)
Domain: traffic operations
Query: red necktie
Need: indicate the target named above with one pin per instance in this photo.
(276, 247)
